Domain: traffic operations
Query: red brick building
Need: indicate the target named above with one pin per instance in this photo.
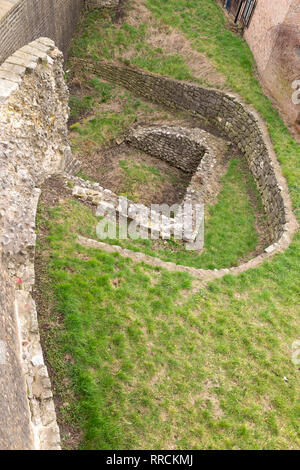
(272, 30)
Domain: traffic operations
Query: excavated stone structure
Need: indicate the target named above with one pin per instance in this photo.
(34, 146)
(273, 35)
(226, 113)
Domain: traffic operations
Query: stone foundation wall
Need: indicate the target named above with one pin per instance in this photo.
(225, 112)
(193, 150)
(33, 146)
(157, 224)
(181, 147)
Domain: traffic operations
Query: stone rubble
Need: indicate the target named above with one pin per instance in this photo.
(160, 225)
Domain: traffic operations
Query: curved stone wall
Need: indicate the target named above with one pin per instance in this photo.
(225, 112)
(33, 146)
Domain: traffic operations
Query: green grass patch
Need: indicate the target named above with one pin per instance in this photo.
(141, 363)
(98, 37)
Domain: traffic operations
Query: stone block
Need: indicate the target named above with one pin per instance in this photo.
(9, 75)
(6, 89)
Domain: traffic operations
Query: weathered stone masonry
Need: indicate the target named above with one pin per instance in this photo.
(33, 146)
(274, 38)
(15, 429)
(225, 112)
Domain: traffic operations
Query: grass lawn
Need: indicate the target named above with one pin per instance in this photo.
(140, 358)
(142, 361)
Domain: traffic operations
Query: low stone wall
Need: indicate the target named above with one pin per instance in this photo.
(33, 146)
(150, 221)
(193, 150)
(225, 112)
(182, 148)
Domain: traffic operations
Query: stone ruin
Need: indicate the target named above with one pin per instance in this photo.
(34, 145)
(194, 151)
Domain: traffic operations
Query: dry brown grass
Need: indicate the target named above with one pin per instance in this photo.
(172, 42)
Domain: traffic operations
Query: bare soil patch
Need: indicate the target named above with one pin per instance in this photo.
(136, 175)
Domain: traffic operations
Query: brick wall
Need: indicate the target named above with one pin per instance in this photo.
(274, 38)
(104, 3)
(261, 33)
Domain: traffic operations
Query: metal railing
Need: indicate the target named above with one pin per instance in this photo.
(248, 11)
(242, 10)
